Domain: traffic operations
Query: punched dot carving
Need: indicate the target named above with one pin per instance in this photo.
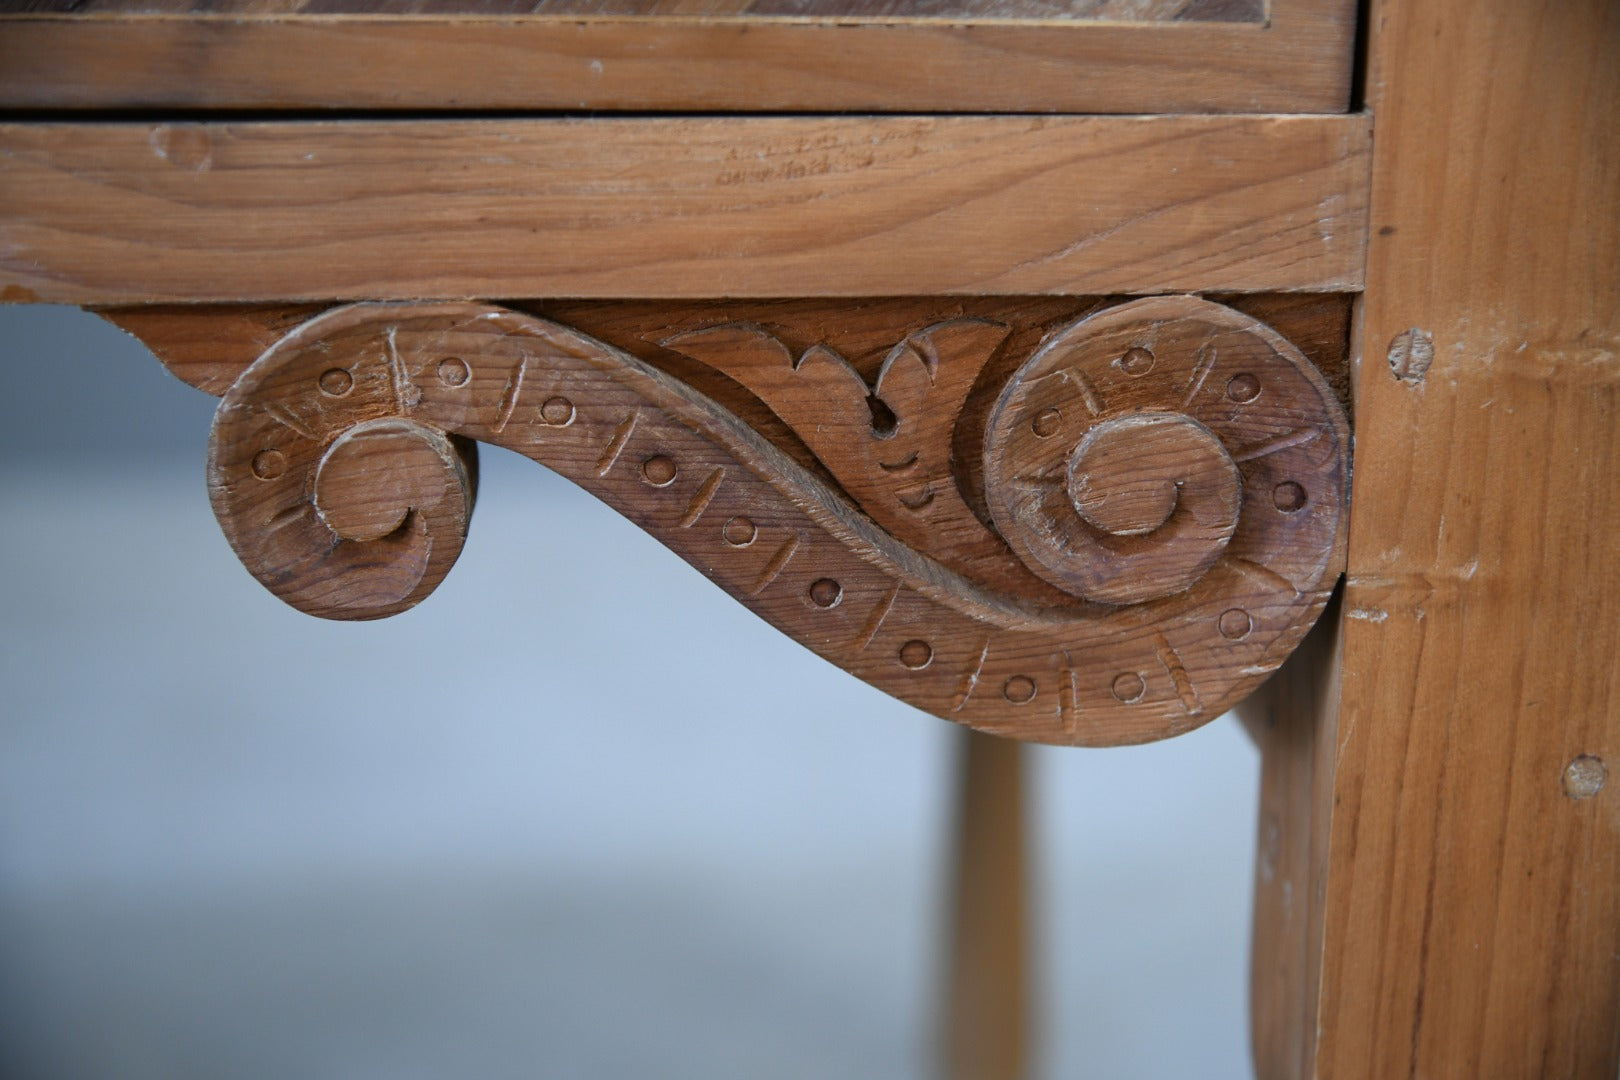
(1129, 687)
(1136, 361)
(916, 654)
(1243, 388)
(1235, 624)
(1019, 689)
(335, 382)
(1289, 497)
(659, 470)
(825, 592)
(269, 464)
(1046, 422)
(453, 371)
(557, 412)
(739, 531)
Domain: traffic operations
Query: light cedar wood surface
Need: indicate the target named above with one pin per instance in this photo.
(1440, 809)
(1155, 56)
(1055, 10)
(695, 207)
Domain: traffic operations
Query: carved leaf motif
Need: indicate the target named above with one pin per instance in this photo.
(888, 444)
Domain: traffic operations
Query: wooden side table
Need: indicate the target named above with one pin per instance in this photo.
(1037, 416)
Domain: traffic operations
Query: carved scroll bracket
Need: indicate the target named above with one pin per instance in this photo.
(1165, 483)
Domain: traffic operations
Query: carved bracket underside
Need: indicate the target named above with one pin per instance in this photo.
(1159, 520)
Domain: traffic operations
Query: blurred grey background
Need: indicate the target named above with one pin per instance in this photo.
(578, 815)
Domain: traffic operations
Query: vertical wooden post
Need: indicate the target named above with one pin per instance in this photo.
(1287, 719)
(1466, 903)
(986, 1010)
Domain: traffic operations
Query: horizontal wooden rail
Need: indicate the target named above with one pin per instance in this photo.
(253, 56)
(766, 206)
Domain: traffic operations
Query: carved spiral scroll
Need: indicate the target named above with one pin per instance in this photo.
(1123, 458)
(1163, 529)
(337, 504)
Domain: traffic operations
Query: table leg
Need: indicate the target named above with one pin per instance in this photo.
(1442, 802)
(987, 995)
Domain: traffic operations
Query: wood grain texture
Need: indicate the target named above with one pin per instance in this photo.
(907, 10)
(210, 345)
(119, 213)
(804, 555)
(1297, 60)
(1291, 719)
(1471, 921)
(891, 442)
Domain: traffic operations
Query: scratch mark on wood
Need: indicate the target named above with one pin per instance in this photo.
(873, 621)
(616, 445)
(1069, 696)
(1206, 363)
(398, 380)
(1038, 482)
(1262, 575)
(290, 513)
(1088, 392)
(702, 498)
(1297, 437)
(778, 563)
(971, 679)
(509, 396)
(1171, 661)
(287, 420)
